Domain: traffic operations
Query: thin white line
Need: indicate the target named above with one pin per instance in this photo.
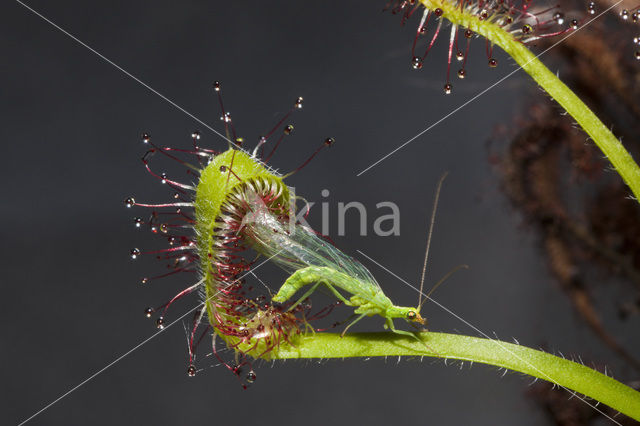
(498, 342)
(127, 73)
(485, 90)
(73, 389)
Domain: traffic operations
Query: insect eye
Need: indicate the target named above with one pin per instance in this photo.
(411, 315)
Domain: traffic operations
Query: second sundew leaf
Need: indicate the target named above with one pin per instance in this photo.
(510, 27)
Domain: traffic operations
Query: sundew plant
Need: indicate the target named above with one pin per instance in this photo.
(251, 279)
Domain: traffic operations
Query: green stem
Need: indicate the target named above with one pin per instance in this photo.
(535, 363)
(601, 135)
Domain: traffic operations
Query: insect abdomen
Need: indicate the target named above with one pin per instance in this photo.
(314, 274)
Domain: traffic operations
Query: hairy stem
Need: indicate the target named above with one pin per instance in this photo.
(560, 371)
(601, 135)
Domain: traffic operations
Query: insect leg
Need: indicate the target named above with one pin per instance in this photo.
(392, 327)
(337, 293)
(353, 322)
(307, 326)
(330, 287)
(307, 294)
(409, 334)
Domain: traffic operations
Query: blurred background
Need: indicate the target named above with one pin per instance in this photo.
(529, 205)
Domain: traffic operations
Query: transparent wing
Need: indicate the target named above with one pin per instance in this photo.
(293, 246)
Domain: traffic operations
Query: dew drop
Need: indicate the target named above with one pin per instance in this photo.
(288, 129)
(154, 229)
(591, 8)
(164, 177)
(459, 56)
(223, 169)
(416, 62)
(624, 14)
(493, 63)
(148, 312)
(526, 29)
(447, 88)
(129, 202)
(438, 11)
(468, 33)
(164, 228)
(637, 54)
(422, 29)
(195, 135)
(462, 73)
(508, 20)
(135, 252)
(138, 222)
(636, 39)
(559, 18)
(634, 16)
(144, 280)
(235, 369)
(299, 102)
(191, 371)
(251, 376)
(146, 137)
(574, 24)
(216, 86)
(329, 141)
(160, 323)
(171, 240)
(484, 14)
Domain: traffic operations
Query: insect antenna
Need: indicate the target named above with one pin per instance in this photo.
(440, 281)
(426, 254)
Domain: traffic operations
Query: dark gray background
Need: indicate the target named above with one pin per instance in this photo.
(71, 299)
